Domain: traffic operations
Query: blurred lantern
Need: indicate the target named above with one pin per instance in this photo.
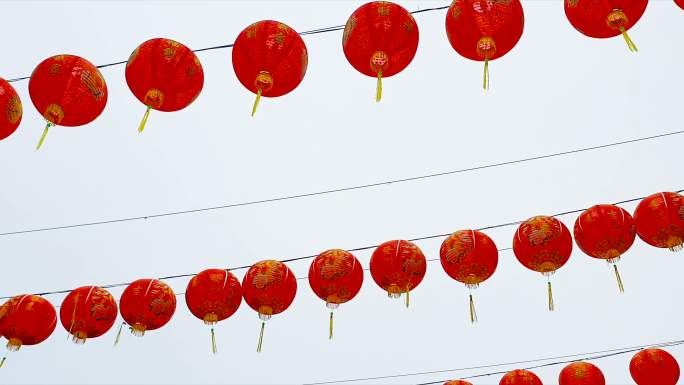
(10, 109)
(581, 373)
(654, 367)
(146, 304)
(543, 244)
(605, 18)
(457, 382)
(269, 59)
(164, 75)
(484, 30)
(26, 320)
(660, 220)
(470, 257)
(68, 91)
(605, 232)
(380, 40)
(520, 377)
(335, 276)
(88, 312)
(398, 267)
(269, 287)
(680, 3)
(212, 296)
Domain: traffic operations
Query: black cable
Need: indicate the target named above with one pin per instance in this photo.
(343, 189)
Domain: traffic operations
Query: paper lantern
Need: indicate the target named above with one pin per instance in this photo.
(543, 244)
(660, 220)
(380, 39)
(164, 75)
(88, 312)
(26, 320)
(10, 109)
(484, 30)
(68, 91)
(269, 59)
(398, 267)
(470, 257)
(335, 276)
(680, 3)
(605, 18)
(269, 287)
(605, 232)
(520, 377)
(147, 304)
(212, 296)
(581, 373)
(654, 367)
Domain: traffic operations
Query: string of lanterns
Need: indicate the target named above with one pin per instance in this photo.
(270, 58)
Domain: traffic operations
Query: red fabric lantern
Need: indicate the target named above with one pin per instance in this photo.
(147, 304)
(398, 267)
(88, 312)
(380, 39)
(335, 276)
(605, 232)
(10, 109)
(660, 220)
(654, 367)
(605, 18)
(269, 59)
(212, 296)
(520, 377)
(484, 30)
(164, 75)
(470, 257)
(269, 287)
(581, 373)
(26, 320)
(68, 91)
(543, 244)
(457, 382)
(680, 3)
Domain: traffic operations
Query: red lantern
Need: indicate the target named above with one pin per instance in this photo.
(605, 18)
(26, 320)
(457, 382)
(680, 3)
(10, 109)
(335, 276)
(660, 220)
(164, 75)
(88, 312)
(581, 373)
(269, 287)
(212, 296)
(543, 244)
(68, 91)
(269, 59)
(520, 377)
(380, 40)
(654, 367)
(484, 30)
(398, 267)
(605, 232)
(147, 304)
(470, 257)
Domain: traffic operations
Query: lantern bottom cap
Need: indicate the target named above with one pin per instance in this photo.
(13, 344)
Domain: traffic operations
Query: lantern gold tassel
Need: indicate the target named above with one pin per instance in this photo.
(118, 335)
(261, 337)
(378, 90)
(551, 307)
(143, 122)
(2, 362)
(256, 101)
(619, 279)
(45, 132)
(473, 314)
(213, 341)
(485, 81)
(331, 326)
(630, 44)
(408, 296)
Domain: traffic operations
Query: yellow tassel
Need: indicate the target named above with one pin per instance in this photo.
(473, 314)
(3, 361)
(256, 101)
(213, 341)
(42, 138)
(331, 326)
(261, 337)
(619, 279)
(408, 296)
(141, 127)
(485, 81)
(551, 307)
(378, 89)
(118, 335)
(630, 44)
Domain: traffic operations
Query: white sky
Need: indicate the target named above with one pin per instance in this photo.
(556, 91)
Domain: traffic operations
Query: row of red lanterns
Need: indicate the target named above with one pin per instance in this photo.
(270, 59)
(541, 243)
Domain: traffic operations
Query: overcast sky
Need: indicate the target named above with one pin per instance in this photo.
(557, 90)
